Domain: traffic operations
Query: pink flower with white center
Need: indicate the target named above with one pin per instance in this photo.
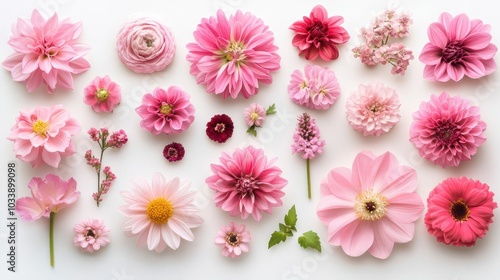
(43, 135)
(233, 239)
(91, 235)
(46, 52)
(254, 114)
(232, 56)
(102, 94)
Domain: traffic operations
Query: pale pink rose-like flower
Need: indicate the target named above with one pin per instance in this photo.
(46, 52)
(373, 109)
(232, 56)
(233, 239)
(145, 45)
(254, 114)
(458, 47)
(102, 94)
(91, 235)
(43, 135)
(371, 206)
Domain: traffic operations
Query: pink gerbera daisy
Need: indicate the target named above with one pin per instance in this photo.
(102, 94)
(91, 235)
(233, 239)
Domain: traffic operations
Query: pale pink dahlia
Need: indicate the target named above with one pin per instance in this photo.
(370, 207)
(166, 111)
(160, 213)
(233, 239)
(447, 130)
(458, 47)
(232, 56)
(373, 109)
(91, 235)
(102, 94)
(43, 135)
(46, 52)
(246, 183)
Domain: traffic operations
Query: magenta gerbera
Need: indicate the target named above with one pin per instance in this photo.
(233, 239)
(102, 94)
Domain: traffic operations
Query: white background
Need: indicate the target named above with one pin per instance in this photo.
(422, 258)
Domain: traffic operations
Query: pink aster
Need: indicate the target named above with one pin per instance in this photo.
(233, 239)
(447, 130)
(458, 47)
(102, 94)
(166, 111)
(246, 183)
(232, 56)
(43, 135)
(91, 235)
(46, 52)
(319, 35)
(371, 206)
(254, 114)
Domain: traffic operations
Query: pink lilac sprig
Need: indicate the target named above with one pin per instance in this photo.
(255, 115)
(105, 140)
(307, 141)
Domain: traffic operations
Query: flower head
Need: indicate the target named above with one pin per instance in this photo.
(306, 139)
(459, 211)
(447, 130)
(46, 52)
(173, 151)
(220, 128)
(246, 183)
(232, 56)
(160, 213)
(458, 47)
(373, 109)
(91, 235)
(102, 94)
(370, 207)
(233, 239)
(254, 114)
(319, 35)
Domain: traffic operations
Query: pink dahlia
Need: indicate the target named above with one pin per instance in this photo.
(370, 207)
(102, 94)
(232, 56)
(459, 211)
(373, 109)
(43, 135)
(91, 235)
(233, 239)
(447, 130)
(319, 35)
(246, 183)
(166, 111)
(458, 47)
(46, 52)
(160, 213)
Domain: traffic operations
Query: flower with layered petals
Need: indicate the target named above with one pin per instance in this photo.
(232, 56)
(246, 183)
(371, 206)
(102, 94)
(254, 114)
(459, 211)
(220, 128)
(160, 213)
(43, 135)
(46, 52)
(91, 235)
(458, 47)
(233, 239)
(173, 151)
(447, 130)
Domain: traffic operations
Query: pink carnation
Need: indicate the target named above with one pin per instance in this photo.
(102, 94)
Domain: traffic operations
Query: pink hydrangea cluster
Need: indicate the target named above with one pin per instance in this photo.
(306, 139)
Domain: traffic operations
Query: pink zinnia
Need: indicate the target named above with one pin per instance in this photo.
(102, 94)
(246, 183)
(166, 111)
(232, 56)
(91, 235)
(233, 239)
(254, 114)
(458, 47)
(43, 135)
(319, 35)
(447, 130)
(370, 207)
(459, 211)
(46, 52)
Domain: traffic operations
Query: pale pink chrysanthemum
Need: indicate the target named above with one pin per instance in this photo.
(371, 206)
(458, 47)
(233, 239)
(102, 94)
(91, 235)
(459, 211)
(160, 213)
(447, 130)
(254, 114)
(373, 109)
(46, 52)
(232, 56)
(247, 183)
(43, 135)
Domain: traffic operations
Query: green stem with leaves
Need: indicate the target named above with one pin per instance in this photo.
(308, 164)
(51, 238)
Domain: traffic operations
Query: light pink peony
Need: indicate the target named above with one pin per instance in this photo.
(102, 94)
(458, 47)
(232, 56)
(145, 45)
(91, 235)
(233, 239)
(43, 135)
(46, 52)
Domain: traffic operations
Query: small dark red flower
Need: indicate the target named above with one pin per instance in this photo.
(173, 151)
(220, 128)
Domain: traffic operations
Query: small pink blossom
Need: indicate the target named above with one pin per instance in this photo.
(91, 235)
(254, 114)
(306, 139)
(233, 239)
(102, 94)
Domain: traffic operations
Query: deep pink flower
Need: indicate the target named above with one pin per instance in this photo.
(220, 128)
(319, 35)
(254, 114)
(233, 239)
(166, 111)
(447, 130)
(459, 211)
(458, 47)
(102, 94)
(46, 52)
(173, 151)
(43, 135)
(370, 207)
(232, 56)
(246, 183)
(91, 235)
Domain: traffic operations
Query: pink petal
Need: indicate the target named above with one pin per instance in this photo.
(357, 238)
(437, 35)
(382, 243)
(28, 209)
(459, 27)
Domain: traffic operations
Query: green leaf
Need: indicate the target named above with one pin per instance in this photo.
(251, 130)
(291, 218)
(286, 230)
(310, 239)
(271, 110)
(276, 238)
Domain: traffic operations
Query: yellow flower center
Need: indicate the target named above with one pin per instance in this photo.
(40, 128)
(102, 94)
(370, 205)
(166, 108)
(254, 116)
(235, 51)
(159, 210)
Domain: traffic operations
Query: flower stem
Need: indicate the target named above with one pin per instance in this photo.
(99, 191)
(308, 178)
(51, 237)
